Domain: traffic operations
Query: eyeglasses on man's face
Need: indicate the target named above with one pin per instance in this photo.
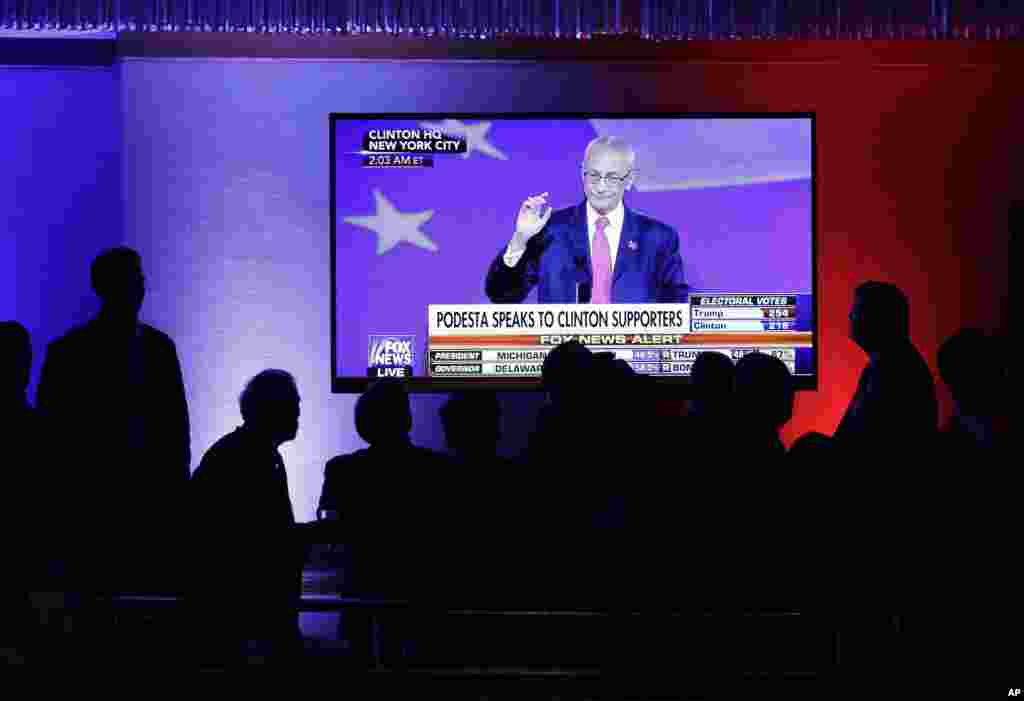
(595, 178)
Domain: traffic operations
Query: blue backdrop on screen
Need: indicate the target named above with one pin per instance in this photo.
(738, 192)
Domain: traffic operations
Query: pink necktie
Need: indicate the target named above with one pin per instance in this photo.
(601, 263)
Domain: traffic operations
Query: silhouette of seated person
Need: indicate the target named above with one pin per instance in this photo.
(567, 379)
(28, 546)
(626, 494)
(763, 404)
(710, 421)
(472, 428)
(766, 535)
(566, 446)
(394, 504)
(391, 498)
(812, 449)
(712, 377)
(589, 456)
(112, 392)
(246, 548)
(486, 496)
(970, 364)
(893, 414)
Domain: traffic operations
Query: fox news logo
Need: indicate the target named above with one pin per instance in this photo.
(390, 356)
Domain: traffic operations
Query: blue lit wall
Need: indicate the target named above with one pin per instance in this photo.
(60, 199)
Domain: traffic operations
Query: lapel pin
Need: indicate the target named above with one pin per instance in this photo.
(632, 245)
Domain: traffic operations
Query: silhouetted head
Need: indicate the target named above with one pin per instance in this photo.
(764, 390)
(970, 364)
(811, 446)
(608, 171)
(383, 414)
(270, 405)
(610, 376)
(472, 423)
(712, 375)
(566, 371)
(118, 281)
(880, 316)
(15, 361)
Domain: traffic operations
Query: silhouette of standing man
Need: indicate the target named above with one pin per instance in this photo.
(894, 408)
(112, 393)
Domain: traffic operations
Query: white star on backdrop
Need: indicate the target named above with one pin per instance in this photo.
(474, 134)
(393, 227)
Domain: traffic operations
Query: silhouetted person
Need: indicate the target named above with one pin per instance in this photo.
(560, 443)
(484, 486)
(977, 449)
(894, 411)
(566, 377)
(764, 404)
(112, 393)
(710, 422)
(384, 495)
(605, 493)
(15, 368)
(566, 373)
(247, 551)
(472, 427)
(383, 419)
(712, 377)
(970, 363)
(771, 529)
(593, 419)
(812, 449)
(392, 500)
(488, 501)
(888, 433)
(26, 548)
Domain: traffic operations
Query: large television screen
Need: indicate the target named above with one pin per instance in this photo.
(464, 247)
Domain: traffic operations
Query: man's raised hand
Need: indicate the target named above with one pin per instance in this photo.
(533, 216)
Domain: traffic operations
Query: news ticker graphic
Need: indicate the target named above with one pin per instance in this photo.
(660, 339)
(528, 362)
(391, 356)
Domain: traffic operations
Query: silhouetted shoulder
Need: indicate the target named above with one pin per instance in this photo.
(74, 336)
(376, 462)
(222, 455)
(906, 377)
(155, 337)
(432, 456)
(348, 461)
(85, 334)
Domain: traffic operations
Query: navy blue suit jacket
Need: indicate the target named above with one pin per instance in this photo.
(648, 267)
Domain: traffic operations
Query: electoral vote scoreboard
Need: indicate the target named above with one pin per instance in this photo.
(503, 340)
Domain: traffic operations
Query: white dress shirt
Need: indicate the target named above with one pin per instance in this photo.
(613, 232)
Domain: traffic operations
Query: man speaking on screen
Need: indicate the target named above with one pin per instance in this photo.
(597, 252)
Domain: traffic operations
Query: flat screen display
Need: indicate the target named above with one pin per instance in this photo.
(465, 247)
